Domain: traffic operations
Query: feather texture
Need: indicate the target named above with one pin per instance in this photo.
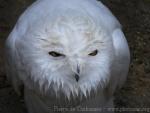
(74, 29)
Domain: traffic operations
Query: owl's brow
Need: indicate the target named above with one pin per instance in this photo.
(95, 42)
(51, 42)
(42, 39)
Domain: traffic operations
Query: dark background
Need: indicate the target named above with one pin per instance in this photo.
(134, 15)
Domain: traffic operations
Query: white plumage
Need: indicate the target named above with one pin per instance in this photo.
(67, 53)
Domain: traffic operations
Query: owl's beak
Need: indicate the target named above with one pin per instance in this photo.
(77, 73)
(77, 77)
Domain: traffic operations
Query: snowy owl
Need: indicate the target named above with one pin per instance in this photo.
(70, 56)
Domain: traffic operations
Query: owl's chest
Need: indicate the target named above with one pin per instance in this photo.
(61, 100)
(51, 102)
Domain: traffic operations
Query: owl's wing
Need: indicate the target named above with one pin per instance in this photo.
(12, 61)
(122, 55)
(121, 62)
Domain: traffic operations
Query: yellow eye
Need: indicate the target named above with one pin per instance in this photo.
(94, 53)
(55, 54)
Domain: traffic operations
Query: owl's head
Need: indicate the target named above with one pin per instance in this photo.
(72, 53)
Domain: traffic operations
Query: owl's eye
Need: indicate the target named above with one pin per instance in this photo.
(55, 54)
(94, 53)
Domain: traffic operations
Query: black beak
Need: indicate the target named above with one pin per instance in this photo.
(77, 74)
(77, 77)
(78, 69)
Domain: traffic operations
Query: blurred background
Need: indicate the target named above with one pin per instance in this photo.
(134, 15)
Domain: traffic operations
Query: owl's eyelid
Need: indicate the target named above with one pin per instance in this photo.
(55, 49)
(57, 53)
(94, 45)
(93, 53)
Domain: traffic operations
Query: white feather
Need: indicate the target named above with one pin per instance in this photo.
(74, 28)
